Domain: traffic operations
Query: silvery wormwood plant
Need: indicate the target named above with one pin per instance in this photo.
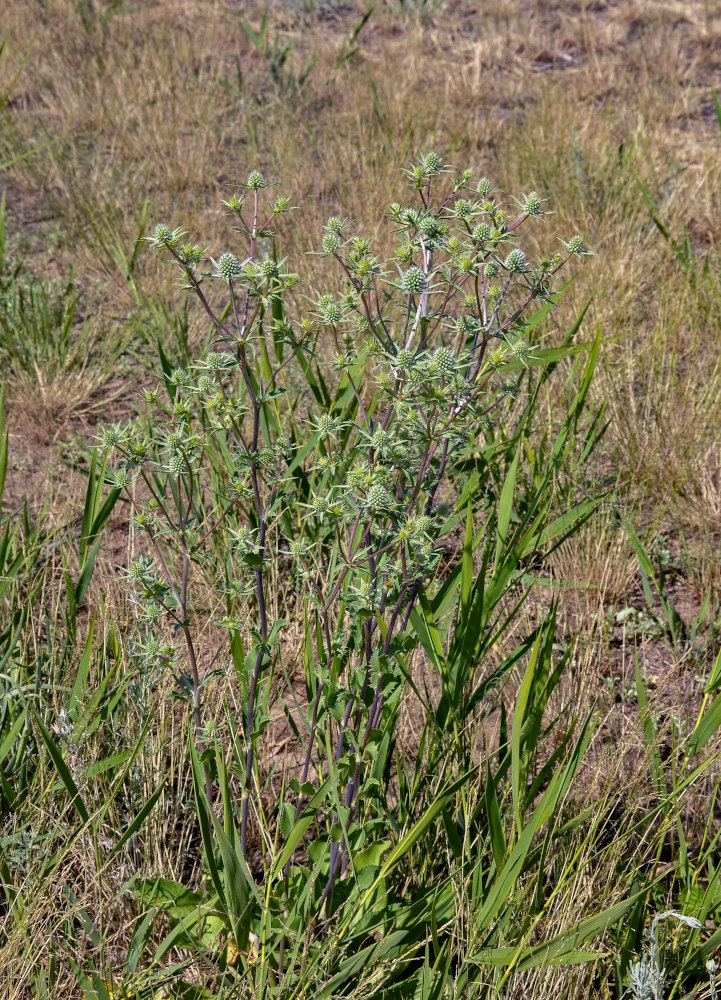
(309, 458)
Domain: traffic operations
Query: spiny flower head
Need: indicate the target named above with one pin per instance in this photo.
(179, 377)
(404, 358)
(255, 180)
(413, 281)
(176, 465)
(111, 437)
(217, 360)
(484, 187)
(228, 267)
(445, 360)
(532, 204)
(515, 261)
(378, 496)
(463, 208)
(332, 313)
(481, 232)
(431, 163)
(331, 243)
(575, 245)
(268, 268)
(326, 425)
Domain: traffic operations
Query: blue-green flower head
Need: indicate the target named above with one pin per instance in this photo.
(162, 233)
(445, 360)
(404, 358)
(431, 163)
(515, 261)
(332, 313)
(255, 180)
(334, 225)
(331, 243)
(228, 267)
(413, 281)
(176, 465)
(269, 268)
(532, 204)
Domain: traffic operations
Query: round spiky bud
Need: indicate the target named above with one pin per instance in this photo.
(520, 348)
(431, 163)
(176, 465)
(255, 180)
(297, 548)
(481, 232)
(413, 281)
(319, 505)
(215, 361)
(445, 360)
(380, 438)
(463, 208)
(532, 203)
(491, 269)
(377, 496)
(173, 441)
(161, 233)
(122, 479)
(269, 268)
(332, 313)
(515, 261)
(575, 245)
(331, 243)
(326, 425)
(206, 384)
(111, 437)
(334, 225)
(179, 377)
(428, 226)
(466, 325)
(228, 266)
(484, 187)
(137, 570)
(404, 358)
